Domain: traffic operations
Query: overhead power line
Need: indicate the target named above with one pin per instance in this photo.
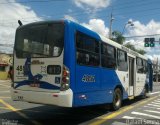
(31, 1)
(150, 35)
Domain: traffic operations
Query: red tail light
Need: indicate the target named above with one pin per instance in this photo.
(65, 79)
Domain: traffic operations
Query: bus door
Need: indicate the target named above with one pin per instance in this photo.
(131, 76)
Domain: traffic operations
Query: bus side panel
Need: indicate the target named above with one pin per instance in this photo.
(92, 98)
(109, 79)
(87, 78)
(69, 52)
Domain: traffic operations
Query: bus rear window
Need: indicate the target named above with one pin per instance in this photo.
(40, 40)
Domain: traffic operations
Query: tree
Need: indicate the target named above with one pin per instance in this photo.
(118, 37)
(141, 51)
(132, 47)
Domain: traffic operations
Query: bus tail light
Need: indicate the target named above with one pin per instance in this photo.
(65, 79)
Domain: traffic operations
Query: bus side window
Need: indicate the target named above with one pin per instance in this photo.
(108, 53)
(145, 67)
(122, 60)
(87, 50)
(140, 67)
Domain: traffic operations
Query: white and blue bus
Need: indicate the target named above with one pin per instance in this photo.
(65, 64)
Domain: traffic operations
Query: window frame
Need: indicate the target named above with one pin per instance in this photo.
(137, 69)
(80, 50)
(126, 60)
(103, 54)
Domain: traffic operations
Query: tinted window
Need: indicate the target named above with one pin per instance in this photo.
(40, 40)
(87, 50)
(122, 60)
(108, 56)
(140, 67)
(145, 66)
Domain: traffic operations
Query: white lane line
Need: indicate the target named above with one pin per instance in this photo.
(152, 93)
(129, 117)
(150, 107)
(156, 101)
(154, 105)
(5, 85)
(144, 114)
(152, 111)
(118, 123)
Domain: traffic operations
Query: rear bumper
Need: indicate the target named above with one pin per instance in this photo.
(63, 98)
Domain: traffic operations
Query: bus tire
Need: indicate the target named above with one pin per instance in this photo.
(117, 99)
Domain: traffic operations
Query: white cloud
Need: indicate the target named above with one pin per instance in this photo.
(96, 4)
(97, 25)
(10, 14)
(70, 18)
(141, 29)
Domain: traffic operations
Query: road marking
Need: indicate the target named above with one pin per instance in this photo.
(18, 112)
(154, 105)
(150, 107)
(21, 109)
(5, 80)
(118, 123)
(144, 114)
(156, 101)
(5, 85)
(4, 108)
(105, 118)
(129, 117)
(152, 93)
(152, 111)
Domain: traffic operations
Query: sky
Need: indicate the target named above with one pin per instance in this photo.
(93, 14)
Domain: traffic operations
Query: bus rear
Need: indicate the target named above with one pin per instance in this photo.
(39, 73)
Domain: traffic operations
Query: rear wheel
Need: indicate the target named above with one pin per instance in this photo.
(117, 99)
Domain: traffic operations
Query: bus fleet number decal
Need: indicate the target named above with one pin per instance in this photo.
(20, 68)
(88, 78)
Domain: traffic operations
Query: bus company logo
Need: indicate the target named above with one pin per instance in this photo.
(36, 62)
(88, 78)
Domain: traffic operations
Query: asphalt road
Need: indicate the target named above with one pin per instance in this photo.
(23, 113)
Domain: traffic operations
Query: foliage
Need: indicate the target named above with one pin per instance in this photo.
(132, 47)
(119, 38)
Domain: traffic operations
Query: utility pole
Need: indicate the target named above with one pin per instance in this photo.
(110, 26)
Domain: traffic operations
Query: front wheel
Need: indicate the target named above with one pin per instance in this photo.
(117, 99)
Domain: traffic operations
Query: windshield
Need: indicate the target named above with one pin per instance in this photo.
(40, 40)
